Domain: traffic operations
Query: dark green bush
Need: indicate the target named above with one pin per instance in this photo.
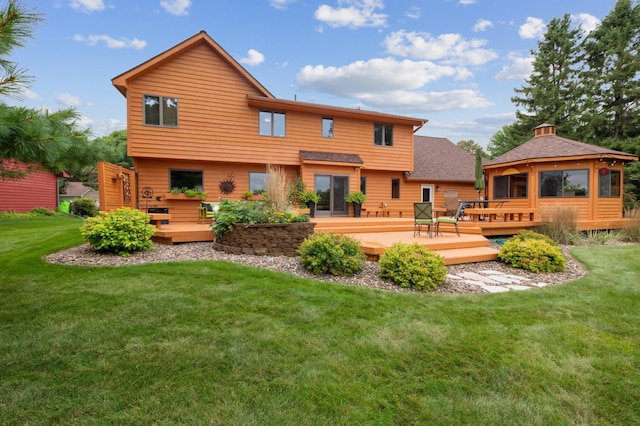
(85, 207)
(532, 254)
(122, 231)
(328, 253)
(413, 266)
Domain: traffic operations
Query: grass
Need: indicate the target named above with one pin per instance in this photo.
(212, 342)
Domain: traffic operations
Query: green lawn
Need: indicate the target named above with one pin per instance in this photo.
(209, 342)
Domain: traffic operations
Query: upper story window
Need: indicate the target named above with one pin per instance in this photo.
(564, 183)
(383, 134)
(327, 127)
(272, 123)
(609, 183)
(160, 111)
(510, 186)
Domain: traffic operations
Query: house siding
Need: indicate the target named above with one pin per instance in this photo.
(39, 189)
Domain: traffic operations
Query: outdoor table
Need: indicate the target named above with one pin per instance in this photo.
(483, 203)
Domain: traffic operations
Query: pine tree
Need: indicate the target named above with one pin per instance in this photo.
(551, 92)
(611, 76)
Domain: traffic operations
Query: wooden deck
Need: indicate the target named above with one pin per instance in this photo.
(378, 233)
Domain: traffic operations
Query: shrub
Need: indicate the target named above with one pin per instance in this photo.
(122, 231)
(41, 211)
(532, 254)
(328, 253)
(85, 207)
(278, 188)
(561, 225)
(413, 266)
(601, 237)
(231, 213)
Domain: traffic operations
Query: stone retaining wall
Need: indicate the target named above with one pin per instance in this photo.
(264, 239)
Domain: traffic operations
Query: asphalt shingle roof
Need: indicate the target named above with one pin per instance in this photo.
(334, 157)
(439, 159)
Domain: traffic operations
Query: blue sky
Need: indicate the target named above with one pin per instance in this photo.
(453, 62)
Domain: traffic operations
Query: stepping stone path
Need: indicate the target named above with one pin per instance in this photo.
(496, 281)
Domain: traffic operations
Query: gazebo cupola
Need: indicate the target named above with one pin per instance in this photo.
(544, 130)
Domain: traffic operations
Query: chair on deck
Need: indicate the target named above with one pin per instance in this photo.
(423, 215)
(451, 201)
(206, 210)
(452, 220)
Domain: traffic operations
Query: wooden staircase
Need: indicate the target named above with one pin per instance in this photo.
(378, 234)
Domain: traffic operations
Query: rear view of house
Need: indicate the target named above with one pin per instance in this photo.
(196, 118)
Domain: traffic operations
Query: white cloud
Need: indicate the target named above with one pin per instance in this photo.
(280, 4)
(69, 100)
(414, 13)
(416, 101)
(26, 93)
(481, 25)
(533, 28)
(176, 7)
(111, 43)
(87, 6)
(374, 76)
(253, 58)
(449, 48)
(352, 14)
(586, 21)
(519, 69)
(466, 2)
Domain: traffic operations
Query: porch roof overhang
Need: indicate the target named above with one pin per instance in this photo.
(333, 111)
(623, 158)
(331, 158)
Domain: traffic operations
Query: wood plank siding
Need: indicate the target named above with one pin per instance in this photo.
(38, 189)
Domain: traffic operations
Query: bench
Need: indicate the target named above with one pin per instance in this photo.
(385, 212)
(508, 213)
(158, 218)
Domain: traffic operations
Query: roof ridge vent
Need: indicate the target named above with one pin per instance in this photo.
(544, 130)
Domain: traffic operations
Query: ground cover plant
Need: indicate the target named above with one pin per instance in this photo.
(218, 343)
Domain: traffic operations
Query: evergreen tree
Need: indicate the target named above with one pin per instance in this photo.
(551, 92)
(612, 75)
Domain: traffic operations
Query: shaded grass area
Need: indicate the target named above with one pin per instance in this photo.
(213, 342)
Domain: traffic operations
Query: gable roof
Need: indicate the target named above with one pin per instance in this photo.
(543, 148)
(77, 189)
(120, 81)
(439, 159)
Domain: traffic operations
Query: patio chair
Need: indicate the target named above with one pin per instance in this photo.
(451, 201)
(206, 210)
(423, 215)
(451, 220)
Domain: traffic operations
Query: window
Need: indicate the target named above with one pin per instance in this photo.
(256, 181)
(160, 111)
(510, 186)
(395, 189)
(609, 183)
(327, 127)
(272, 123)
(363, 184)
(564, 183)
(191, 179)
(383, 134)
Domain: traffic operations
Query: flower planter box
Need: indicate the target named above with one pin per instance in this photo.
(264, 239)
(170, 196)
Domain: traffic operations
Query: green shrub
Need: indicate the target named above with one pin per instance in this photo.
(41, 211)
(122, 231)
(532, 254)
(413, 266)
(231, 213)
(328, 253)
(85, 207)
(601, 237)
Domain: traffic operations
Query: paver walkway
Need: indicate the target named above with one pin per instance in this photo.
(496, 281)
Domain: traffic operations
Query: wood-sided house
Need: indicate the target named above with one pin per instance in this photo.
(197, 118)
(39, 189)
(549, 170)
